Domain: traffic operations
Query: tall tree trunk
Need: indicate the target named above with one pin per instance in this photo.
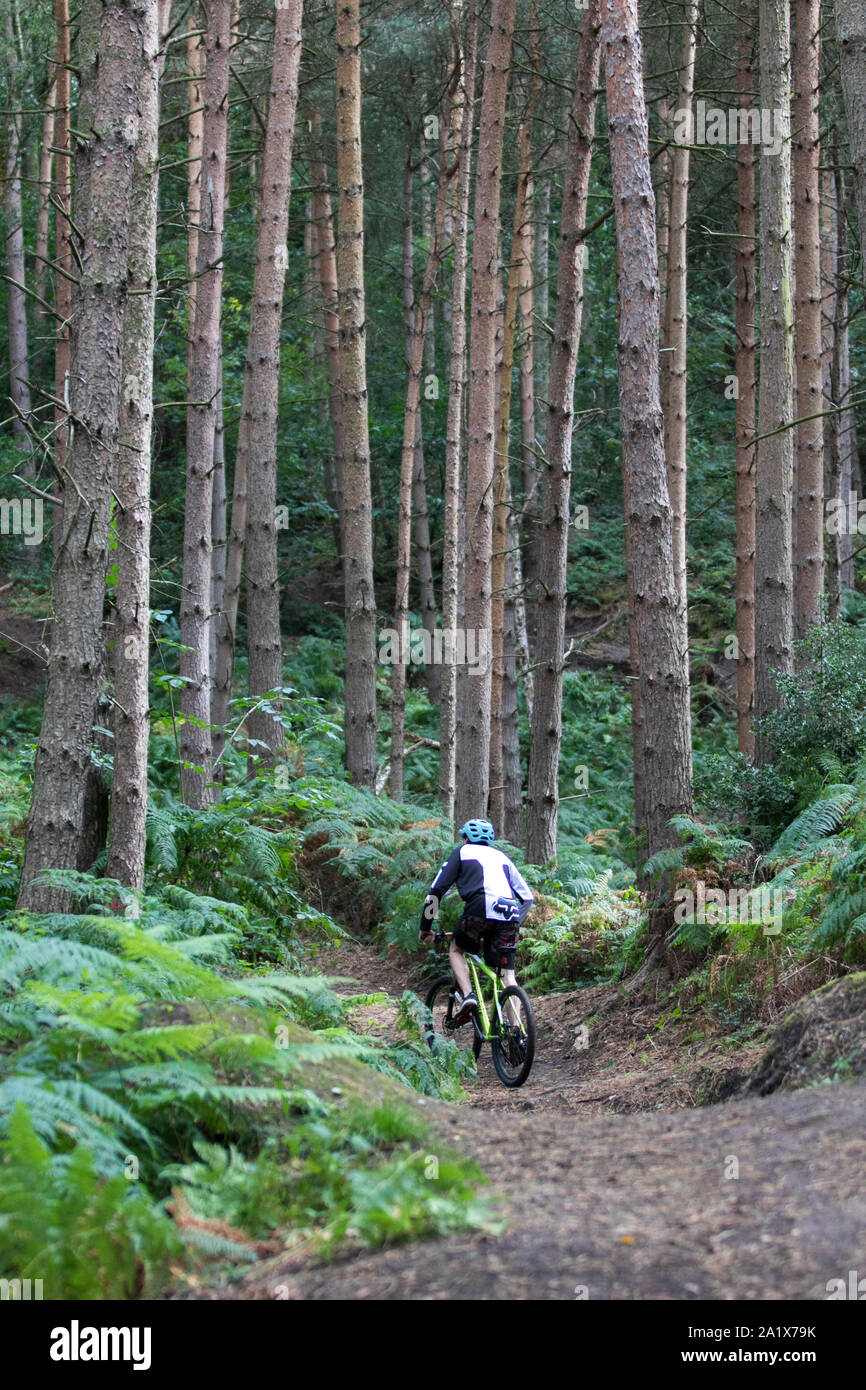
(316, 368)
(111, 59)
(326, 263)
(219, 499)
(528, 271)
(63, 259)
(828, 294)
(807, 279)
(195, 58)
(360, 598)
(832, 451)
(420, 513)
(501, 489)
(43, 217)
(512, 822)
(461, 127)
(126, 844)
(195, 617)
(774, 609)
(417, 321)
(262, 382)
(851, 34)
(219, 525)
(16, 291)
(226, 621)
(663, 204)
(546, 729)
(424, 557)
(849, 482)
(842, 420)
(746, 399)
(542, 302)
(662, 638)
(674, 361)
(473, 729)
(530, 522)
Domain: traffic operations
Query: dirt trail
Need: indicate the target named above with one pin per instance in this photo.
(643, 1203)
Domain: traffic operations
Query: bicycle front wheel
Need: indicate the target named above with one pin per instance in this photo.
(440, 1002)
(514, 1045)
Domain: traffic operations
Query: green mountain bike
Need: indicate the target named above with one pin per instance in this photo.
(504, 1018)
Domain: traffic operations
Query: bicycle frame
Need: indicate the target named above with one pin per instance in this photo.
(474, 964)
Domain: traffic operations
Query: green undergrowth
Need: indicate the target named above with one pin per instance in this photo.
(138, 1042)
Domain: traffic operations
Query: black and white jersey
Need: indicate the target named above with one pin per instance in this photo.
(483, 876)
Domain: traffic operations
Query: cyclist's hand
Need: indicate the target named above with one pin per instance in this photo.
(426, 937)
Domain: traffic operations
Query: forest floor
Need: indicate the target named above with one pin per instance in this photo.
(614, 1182)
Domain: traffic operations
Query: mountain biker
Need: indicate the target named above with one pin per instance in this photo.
(496, 897)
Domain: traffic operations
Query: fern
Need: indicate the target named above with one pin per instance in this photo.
(702, 844)
(804, 836)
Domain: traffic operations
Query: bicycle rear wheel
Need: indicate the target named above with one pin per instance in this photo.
(440, 1002)
(514, 1047)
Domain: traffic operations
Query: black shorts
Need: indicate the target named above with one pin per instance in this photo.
(498, 940)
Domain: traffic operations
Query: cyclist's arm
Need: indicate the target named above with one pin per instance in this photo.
(521, 890)
(445, 879)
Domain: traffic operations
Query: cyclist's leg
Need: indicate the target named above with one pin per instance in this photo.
(457, 961)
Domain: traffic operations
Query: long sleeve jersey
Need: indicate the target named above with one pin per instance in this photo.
(483, 875)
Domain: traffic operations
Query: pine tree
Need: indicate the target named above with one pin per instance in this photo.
(112, 46)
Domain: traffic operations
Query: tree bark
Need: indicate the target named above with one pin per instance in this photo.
(43, 218)
(746, 401)
(851, 34)
(226, 621)
(674, 361)
(218, 525)
(111, 60)
(461, 128)
(841, 434)
(326, 264)
(196, 747)
(417, 320)
(16, 292)
(360, 598)
(773, 565)
(832, 452)
(131, 716)
(546, 729)
(526, 534)
(512, 822)
(424, 557)
(420, 513)
(473, 730)
(262, 383)
(662, 637)
(520, 251)
(195, 57)
(807, 279)
(63, 259)
(663, 206)
(316, 368)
